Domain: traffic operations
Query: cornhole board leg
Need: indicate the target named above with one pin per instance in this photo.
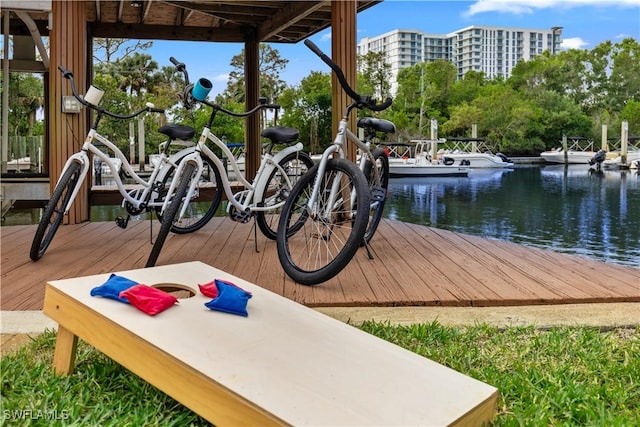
(284, 364)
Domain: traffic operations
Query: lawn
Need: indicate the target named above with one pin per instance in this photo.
(559, 376)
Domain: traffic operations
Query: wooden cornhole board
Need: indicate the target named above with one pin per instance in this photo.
(284, 364)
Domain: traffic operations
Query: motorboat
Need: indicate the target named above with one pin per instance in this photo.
(572, 156)
(22, 164)
(479, 160)
(421, 163)
(633, 160)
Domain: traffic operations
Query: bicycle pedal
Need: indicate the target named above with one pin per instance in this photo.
(122, 222)
(241, 216)
(378, 194)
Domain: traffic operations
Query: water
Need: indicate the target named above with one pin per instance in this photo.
(565, 209)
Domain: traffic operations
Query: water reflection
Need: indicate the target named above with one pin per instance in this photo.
(566, 209)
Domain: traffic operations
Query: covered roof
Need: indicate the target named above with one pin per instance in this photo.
(197, 20)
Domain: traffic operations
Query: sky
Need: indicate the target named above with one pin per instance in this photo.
(586, 23)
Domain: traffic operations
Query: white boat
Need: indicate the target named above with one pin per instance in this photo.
(19, 165)
(420, 164)
(573, 156)
(479, 160)
(633, 160)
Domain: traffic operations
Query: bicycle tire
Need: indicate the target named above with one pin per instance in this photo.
(313, 250)
(295, 165)
(55, 208)
(169, 216)
(200, 211)
(378, 195)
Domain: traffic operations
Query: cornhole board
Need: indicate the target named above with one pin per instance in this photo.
(284, 364)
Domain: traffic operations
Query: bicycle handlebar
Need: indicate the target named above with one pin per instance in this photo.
(69, 76)
(362, 101)
(189, 101)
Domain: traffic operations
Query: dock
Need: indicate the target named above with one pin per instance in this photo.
(413, 265)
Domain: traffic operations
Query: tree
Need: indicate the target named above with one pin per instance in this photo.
(27, 97)
(308, 109)
(270, 63)
(375, 74)
(107, 50)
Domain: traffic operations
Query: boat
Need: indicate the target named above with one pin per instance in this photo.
(473, 152)
(421, 163)
(633, 160)
(479, 160)
(573, 156)
(577, 150)
(22, 164)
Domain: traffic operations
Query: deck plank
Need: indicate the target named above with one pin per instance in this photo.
(412, 265)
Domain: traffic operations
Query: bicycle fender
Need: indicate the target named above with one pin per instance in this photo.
(260, 187)
(282, 154)
(174, 159)
(191, 157)
(82, 158)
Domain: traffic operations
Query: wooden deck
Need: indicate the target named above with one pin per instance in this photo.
(413, 265)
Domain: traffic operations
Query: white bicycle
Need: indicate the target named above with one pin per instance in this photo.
(336, 207)
(199, 193)
(148, 195)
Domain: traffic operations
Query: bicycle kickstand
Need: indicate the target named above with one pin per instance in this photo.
(151, 229)
(366, 246)
(255, 236)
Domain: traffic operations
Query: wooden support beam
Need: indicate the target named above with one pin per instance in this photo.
(343, 52)
(252, 92)
(67, 131)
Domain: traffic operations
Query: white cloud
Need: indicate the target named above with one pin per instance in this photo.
(221, 78)
(518, 7)
(326, 37)
(574, 43)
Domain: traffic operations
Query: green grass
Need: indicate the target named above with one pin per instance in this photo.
(556, 377)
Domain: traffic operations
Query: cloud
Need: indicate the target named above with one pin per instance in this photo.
(574, 43)
(221, 78)
(520, 7)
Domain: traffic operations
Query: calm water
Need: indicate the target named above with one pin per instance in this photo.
(563, 209)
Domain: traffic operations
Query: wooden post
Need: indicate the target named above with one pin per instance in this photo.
(624, 142)
(252, 92)
(68, 39)
(434, 139)
(564, 149)
(343, 53)
(474, 135)
(141, 141)
(605, 141)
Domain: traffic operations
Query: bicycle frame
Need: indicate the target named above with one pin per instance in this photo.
(148, 190)
(243, 200)
(344, 134)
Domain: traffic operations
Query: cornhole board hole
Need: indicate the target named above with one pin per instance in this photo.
(284, 364)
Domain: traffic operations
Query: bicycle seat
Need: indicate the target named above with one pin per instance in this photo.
(281, 134)
(381, 125)
(174, 131)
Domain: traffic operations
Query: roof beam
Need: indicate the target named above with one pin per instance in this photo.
(294, 12)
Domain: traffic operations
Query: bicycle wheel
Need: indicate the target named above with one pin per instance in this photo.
(294, 166)
(378, 194)
(170, 213)
(314, 248)
(54, 211)
(204, 204)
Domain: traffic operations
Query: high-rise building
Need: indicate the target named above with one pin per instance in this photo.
(491, 50)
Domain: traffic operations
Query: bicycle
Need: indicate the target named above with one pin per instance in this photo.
(322, 225)
(262, 198)
(148, 195)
